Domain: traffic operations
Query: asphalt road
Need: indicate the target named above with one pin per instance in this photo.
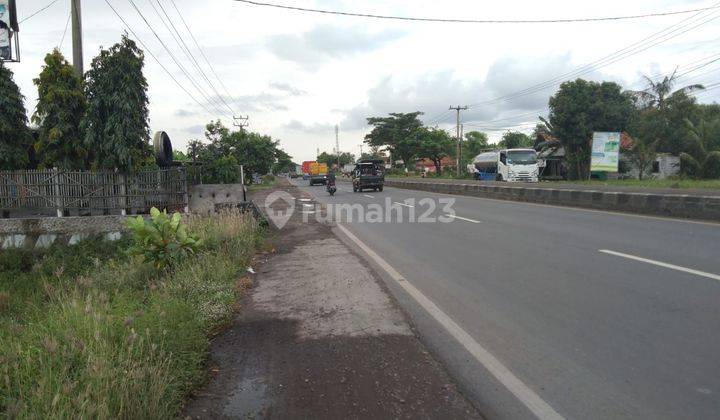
(601, 315)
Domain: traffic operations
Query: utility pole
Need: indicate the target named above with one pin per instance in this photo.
(337, 146)
(360, 151)
(75, 12)
(242, 124)
(457, 153)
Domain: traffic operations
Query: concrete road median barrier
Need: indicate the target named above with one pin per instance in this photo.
(671, 205)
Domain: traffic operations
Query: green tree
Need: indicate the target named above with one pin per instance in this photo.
(398, 133)
(332, 159)
(14, 135)
(256, 152)
(668, 108)
(58, 115)
(580, 108)
(642, 155)
(283, 162)
(475, 142)
(435, 144)
(116, 125)
(515, 140)
(702, 160)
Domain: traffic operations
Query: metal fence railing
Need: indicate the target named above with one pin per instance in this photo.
(57, 192)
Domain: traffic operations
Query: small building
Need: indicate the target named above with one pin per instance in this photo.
(428, 166)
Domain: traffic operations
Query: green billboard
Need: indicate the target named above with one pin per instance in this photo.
(605, 152)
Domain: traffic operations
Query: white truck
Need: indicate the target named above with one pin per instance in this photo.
(511, 165)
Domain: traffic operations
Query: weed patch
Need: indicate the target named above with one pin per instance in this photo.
(89, 332)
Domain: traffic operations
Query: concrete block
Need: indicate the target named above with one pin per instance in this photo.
(113, 236)
(45, 240)
(76, 238)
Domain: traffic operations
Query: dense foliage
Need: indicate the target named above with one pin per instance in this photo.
(580, 108)
(473, 144)
(15, 137)
(225, 150)
(435, 144)
(116, 124)
(515, 140)
(331, 159)
(398, 133)
(58, 115)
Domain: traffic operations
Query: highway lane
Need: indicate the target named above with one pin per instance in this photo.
(595, 335)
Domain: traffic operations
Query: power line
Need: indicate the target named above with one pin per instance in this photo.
(494, 21)
(37, 12)
(212, 68)
(172, 56)
(178, 40)
(129, 28)
(65, 31)
(628, 51)
(190, 55)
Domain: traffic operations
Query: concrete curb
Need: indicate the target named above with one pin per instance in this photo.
(668, 205)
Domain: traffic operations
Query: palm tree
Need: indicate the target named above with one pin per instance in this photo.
(656, 95)
(702, 161)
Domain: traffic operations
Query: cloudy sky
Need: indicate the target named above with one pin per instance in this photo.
(297, 75)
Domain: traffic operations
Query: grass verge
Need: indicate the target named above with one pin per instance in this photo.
(648, 183)
(88, 332)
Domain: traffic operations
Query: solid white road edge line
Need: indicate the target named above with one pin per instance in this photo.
(403, 204)
(522, 392)
(452, 216)
(662, 264)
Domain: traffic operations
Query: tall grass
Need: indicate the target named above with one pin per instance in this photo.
(108, 337)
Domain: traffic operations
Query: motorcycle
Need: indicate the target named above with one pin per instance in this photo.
(330, 187)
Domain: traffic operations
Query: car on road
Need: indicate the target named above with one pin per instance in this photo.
(368, 174)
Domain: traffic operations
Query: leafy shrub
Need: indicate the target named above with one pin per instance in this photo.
(712, 166)
(689, 166)
(268, 179)
(161, 240)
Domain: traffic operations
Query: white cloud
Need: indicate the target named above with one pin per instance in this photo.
(297, 75)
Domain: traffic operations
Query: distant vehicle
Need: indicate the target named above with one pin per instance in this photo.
(318, 173)
(296, 172)
(305, 168)
(368, 174)
(511, 165)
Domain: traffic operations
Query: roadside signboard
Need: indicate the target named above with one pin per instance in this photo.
(5, 50)
(605, 152)
(9, 29)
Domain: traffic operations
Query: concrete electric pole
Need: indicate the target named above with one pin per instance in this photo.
(337, 145)
(76, 15)
(457, 152)
(242, 124)
(361, 146)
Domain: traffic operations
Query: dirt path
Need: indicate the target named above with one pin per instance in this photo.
(319, 337)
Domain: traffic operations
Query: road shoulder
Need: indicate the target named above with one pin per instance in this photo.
(319, 337)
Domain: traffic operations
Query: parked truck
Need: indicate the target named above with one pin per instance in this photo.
(318, 173)
(511, 165)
